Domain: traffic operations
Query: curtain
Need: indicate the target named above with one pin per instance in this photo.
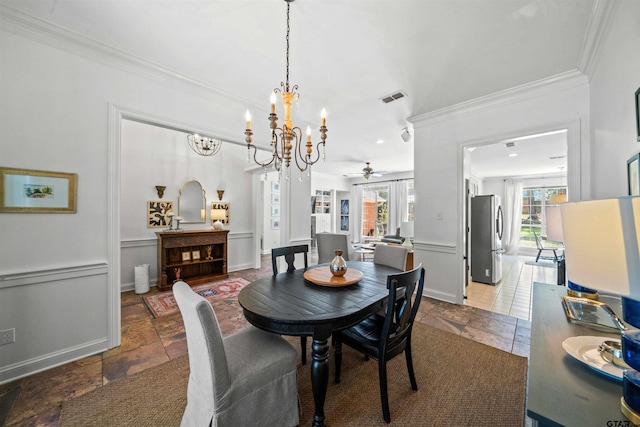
(398, 210)
(512, 215)
(356, 213)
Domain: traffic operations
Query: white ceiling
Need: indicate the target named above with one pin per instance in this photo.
(529, 155)
(345, 55)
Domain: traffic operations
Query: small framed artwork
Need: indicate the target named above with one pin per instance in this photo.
(275, 198)
(186, 256)
(633, 175)
(157, 213)
(223, 206)
(275, 187)
(195, 255)
(275, 223)
(275, 210)
(344, 223)
(638, 113)
(344, 207)
(36, 191)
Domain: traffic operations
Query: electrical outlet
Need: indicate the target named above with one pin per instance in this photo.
(7, 336)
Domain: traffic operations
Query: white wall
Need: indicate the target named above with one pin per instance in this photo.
(153, 155)
(562, 102)
(60, 273)
(613, 84)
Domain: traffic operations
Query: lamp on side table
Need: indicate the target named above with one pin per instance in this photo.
(601, 251)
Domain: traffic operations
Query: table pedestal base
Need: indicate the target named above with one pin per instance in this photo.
(320, 378)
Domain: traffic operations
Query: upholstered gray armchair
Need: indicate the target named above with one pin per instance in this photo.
(329, 242)
(248, 378)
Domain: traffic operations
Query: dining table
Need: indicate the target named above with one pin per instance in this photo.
(288, 304)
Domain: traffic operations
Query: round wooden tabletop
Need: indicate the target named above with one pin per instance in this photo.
(322, 276)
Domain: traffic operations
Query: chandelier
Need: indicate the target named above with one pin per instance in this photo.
(287, 139)
(203, 145)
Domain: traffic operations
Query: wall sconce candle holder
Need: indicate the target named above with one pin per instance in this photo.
(160, 189)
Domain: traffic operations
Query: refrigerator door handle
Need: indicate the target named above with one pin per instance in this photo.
(500, 222)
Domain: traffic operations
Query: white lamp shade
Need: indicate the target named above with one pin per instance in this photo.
(218, 214)
(406, 229)
(554, 224)
(601, 244)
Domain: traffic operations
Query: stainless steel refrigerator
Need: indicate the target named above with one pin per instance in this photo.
(486, 239)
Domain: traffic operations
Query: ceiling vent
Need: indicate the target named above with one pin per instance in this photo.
(394, 96)
(510, 144)
(556, 157)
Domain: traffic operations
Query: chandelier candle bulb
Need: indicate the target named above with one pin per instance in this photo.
(273, 102)
(323, 114)
(247, 116)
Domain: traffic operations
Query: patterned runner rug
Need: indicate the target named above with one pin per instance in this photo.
(164, 304)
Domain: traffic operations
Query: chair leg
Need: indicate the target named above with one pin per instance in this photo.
(538, 257)
(412, 375)
(303, 346)
(384, 396)
(337, 354)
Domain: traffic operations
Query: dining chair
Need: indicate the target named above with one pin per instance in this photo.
(391, 255)
(541, 247)
(247, 378)
(384, 337)
(289, 254)
(328, 243)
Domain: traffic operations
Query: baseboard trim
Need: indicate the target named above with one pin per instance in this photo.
(42, 363)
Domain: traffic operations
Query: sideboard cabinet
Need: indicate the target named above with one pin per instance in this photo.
(194, 256)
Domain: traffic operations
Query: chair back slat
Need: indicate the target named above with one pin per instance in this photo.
(402, 307)
(289, 254)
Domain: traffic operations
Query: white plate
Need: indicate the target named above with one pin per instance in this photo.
(585, 349)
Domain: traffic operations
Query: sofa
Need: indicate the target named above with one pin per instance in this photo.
(393, 238)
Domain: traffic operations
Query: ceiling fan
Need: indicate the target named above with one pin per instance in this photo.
(368, 172)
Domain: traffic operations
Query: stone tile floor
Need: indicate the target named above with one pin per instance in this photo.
(37, 400)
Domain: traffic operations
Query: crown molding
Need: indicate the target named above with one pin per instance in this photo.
(543, 87)
(44, 32)
(599, 23)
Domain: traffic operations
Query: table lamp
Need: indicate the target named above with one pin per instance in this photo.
(217, 215)
(406, 231)
(601, 251)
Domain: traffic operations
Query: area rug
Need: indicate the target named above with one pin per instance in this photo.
(460, 383)
(164, 304)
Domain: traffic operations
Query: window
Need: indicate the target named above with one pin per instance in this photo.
(534, 200)
(375, 210)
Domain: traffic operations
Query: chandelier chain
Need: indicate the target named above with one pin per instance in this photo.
(288, 29)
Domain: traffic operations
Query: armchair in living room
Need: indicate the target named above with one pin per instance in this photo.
(393, 238)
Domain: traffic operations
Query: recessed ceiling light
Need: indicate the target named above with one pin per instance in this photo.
(380, 141)
(471, 149)
(513, 155)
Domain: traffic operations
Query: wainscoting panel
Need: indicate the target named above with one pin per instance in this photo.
(59, 315)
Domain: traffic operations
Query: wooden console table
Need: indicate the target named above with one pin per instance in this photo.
(184, 255)
(561, 390)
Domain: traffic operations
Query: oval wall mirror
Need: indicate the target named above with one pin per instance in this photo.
(192, 203)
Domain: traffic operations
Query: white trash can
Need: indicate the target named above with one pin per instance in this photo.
(142, 278)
